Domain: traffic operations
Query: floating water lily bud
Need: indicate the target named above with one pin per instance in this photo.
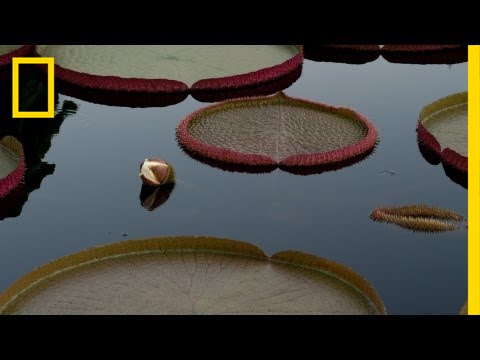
(156, 172)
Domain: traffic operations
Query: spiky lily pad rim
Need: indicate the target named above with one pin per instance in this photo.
(12, 180)
(139, 85)
(23, 51)
(188, 244)
(313, 159)
(448, 156)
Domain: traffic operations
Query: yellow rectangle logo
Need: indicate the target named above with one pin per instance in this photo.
(50, 113)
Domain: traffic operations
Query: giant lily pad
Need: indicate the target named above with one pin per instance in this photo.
(425, 54)
(186, 275)
(12, 164)
(443, 129)
(277, 131)
(161, 70)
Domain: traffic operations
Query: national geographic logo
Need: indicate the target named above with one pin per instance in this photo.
(49, 62)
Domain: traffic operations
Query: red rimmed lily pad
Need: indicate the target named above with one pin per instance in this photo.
(7, 52)
(12, 164)
(443, 132)
(161, 75)
(277, 131)
(425, 54)
(190, 275)
(349, 54)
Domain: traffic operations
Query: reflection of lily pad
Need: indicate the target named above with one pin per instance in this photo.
(443, 128)
(349, 54)
(425, 54)
(277, 131)
(12, 164)
(170, 69)
(464, 309)
(421, 218)
(186, 275)
(7, 52)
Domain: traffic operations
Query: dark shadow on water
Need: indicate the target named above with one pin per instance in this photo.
(35, 136)
(439, 57)
(348, 55)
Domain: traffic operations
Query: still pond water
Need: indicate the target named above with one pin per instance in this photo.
(91, 195)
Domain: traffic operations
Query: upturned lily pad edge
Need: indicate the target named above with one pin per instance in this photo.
(139, 85)
(23, 51)
(448, 156)
(189, 142)
(12, 180)
(187, 244)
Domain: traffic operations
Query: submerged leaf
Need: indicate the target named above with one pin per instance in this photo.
(190, 275)
(421, 218)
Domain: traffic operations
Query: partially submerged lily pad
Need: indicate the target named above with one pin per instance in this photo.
(421, 218)
(443, 128)
(12, 164)
(190, 275)
(349, 54)
(277, 131)
(165, 74)
(425, 54)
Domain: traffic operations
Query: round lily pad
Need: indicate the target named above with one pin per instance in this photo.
(168, 69)
(425, 54)
(443, 129)
(277, 131)
(12, 164)
(190, 275)
(349, 54)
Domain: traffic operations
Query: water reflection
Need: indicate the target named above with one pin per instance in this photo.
(35, 136)
(348, 54)
(152, 197)
(256, 169)
(458, 177)
(403, 54)
(444, 56)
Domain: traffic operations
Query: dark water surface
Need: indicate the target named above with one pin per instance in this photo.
(92, 197)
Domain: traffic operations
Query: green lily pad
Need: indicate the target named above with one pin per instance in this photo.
(5, 49)
(190, 275)
(277, 131)
(184, 64)
(443, 129)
